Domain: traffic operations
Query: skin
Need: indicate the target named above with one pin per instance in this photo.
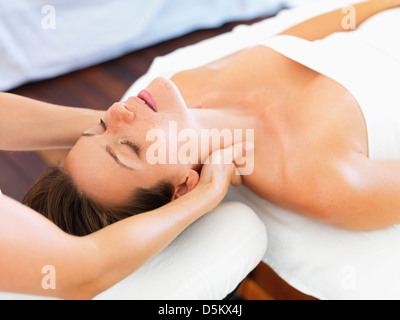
(130, 121)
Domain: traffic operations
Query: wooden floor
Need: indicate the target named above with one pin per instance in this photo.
(264, 284)
(98, 87)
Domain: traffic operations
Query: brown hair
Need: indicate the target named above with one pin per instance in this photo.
(55, 196)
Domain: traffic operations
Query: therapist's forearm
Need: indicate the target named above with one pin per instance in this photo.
(124, 249)
(323, 25)
(86, 266)
(27, 124)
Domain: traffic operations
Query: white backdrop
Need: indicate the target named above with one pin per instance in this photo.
(42, 39)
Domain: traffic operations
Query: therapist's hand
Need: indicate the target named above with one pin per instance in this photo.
(220, 169)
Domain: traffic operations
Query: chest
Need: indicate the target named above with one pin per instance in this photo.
(317, 129)
(302, 116)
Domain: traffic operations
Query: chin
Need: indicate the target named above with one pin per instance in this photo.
(167, 95)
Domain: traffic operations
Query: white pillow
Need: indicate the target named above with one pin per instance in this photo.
(206, 262)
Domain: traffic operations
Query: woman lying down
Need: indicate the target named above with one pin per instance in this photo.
(316, 128)
(323, 114)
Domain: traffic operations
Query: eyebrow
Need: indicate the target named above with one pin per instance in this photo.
(109, 151)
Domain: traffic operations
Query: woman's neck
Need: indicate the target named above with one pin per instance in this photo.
(219, 128)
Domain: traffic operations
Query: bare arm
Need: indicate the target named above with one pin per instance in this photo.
(321, 26)
(89, 265)
(355, 194)
(372, 198)
(27, 124)
(86, 266)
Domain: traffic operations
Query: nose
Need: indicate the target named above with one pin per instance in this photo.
(121, 112)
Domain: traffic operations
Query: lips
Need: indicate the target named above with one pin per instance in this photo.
(148, 99)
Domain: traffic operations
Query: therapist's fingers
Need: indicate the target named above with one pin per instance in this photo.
(239, 153)
(223, 166)
(231, 155)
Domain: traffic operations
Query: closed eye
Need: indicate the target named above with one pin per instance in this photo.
(109, 150)
(133, 146)
(103, 124)
(94, 131)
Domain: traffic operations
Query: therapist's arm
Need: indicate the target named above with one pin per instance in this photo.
(86, 266)
(323, 25)
(28, 124)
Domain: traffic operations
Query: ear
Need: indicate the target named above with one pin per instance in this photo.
(191, 181)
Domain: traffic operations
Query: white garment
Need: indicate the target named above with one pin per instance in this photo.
(367, 63)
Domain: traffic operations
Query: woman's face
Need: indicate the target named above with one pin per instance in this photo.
(109, 161)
